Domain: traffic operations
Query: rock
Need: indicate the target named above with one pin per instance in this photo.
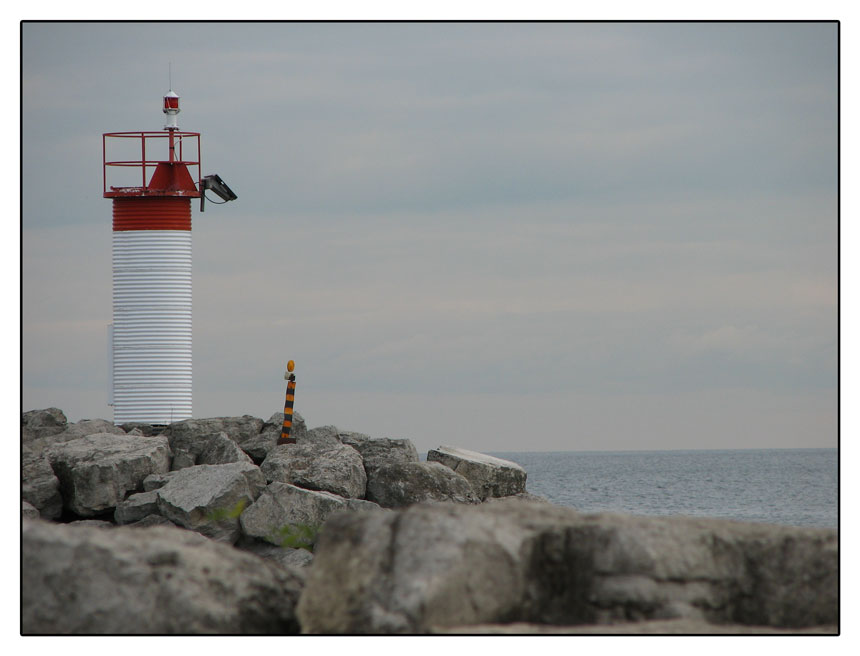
(376, 452)
(297, 559)
(39, 485)
(282, 510)
(97, 471)
(489, 476)
(157, 580)
(258, 447)
(438, 565)
(221, 450)
(95, 523)
(190, 437)
(147, 430)
(196, 448)
(209, 498)
(151, 520)
(29, 511)
(393, 486)
(38, 424)
(136, 507)
(318, 462)
(681, 626)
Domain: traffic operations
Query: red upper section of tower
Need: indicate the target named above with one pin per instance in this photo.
(141, 175)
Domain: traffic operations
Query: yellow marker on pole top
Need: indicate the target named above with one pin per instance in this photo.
(288, 406)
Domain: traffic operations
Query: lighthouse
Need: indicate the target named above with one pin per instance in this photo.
(150, 339)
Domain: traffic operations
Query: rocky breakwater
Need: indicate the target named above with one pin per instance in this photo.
(208, 526)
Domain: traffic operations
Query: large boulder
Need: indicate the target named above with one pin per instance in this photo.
(379, 451)
(209, 498)
(397, 485)
(437, 565)
(157, 580)
(43, 428)
(191, 436)
(198, 448)
(282, 512)
(318, 461)
(96, 472)
(489, 476)
(39, 485)
(37, 424)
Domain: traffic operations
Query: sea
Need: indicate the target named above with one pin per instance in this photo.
(797, 487)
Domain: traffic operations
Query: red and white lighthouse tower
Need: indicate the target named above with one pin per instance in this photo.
(150, 338)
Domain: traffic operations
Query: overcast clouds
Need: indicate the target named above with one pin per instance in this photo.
(497, 236)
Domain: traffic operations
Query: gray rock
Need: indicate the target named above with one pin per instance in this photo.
(221, 450)
(489, 476)
(283, 509)
(157, 580)
(94, 523)
(680, 626)
(147, 430)
(29, 511)
(46, 428)
(297, 559)
(39, 485)
(209, 498)
(37, 424)
(376, 452)
(394, 486)
(136, 507)
(258, 447)
(96, 472)
(155, 481)
(437, 565)
(151, 520)
(318, 462)
(190, 437)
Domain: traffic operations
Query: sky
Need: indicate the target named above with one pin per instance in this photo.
(498, 236)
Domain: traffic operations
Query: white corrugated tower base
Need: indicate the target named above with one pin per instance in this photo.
(151, 375)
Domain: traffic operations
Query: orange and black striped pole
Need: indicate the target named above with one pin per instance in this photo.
(288, 406)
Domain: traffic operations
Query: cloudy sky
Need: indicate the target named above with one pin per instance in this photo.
(500, 236)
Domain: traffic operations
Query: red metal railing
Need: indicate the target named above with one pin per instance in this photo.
(176, 140)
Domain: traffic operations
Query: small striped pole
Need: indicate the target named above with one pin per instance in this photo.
(288, 406)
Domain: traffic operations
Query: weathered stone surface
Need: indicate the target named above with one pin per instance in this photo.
(193, 447)
(209, 498)
(36, 424)
(151, 520)
(94, 523)
(187, 436)
(157, 580)
(282, 504)
(297, 559)
(39, 485)
(42, 429)
(143, 429)
(680, 626)
(436, 565)
(394, 486)
(97, 471)
(376, 452)
(29, 511)
(221, 450)
(258, 447)
(136, 507)
(318, 462)
(489, 476)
